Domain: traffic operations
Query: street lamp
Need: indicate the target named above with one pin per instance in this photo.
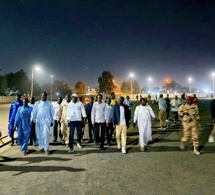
(51, 87)
(149, 81)
(213, 78)
(32, 79)
(190, 80)
(131, 75)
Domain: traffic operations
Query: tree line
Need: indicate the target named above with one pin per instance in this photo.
(19, 82)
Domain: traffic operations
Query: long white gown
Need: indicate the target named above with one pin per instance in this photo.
(43, 116)
(142, 115)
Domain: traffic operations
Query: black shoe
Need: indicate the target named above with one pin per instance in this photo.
(12, 142)
(102, 148)
(90, 141)
(42, 151)
(30, 144)
(54, 140)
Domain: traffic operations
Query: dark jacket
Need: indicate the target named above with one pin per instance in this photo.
(213, 109)
(88, 108)
(116, 115)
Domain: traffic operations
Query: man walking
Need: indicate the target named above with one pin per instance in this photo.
(121, 118)
(162, 110)
(33, 137)
(212, 108)
(98, 120)
(142, 115)
(23, 124)
(43, 117)
(12, 114)
(62, 117)
(75, 113)
(88, 109)
(56, 109)
(190, 116)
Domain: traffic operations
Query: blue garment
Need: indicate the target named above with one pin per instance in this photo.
(116, 115)
(12, 114)
(23, 123)
(42, 114)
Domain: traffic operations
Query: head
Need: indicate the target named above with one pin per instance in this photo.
(108, 101)
(25, 102)
(183, 96)
(18, 97)
(32, 100)
(176, 97)
(68, 98)
(127, 97)
(44, 96)
(161, 96)
(99, 97)
(194, 95)
(143, 101)
(91, 99)
(189, 99)
(167, 95)
(121, 100)
(112, 95)
(74, 97)
(60, 99)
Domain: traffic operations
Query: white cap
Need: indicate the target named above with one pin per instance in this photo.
(74, 95)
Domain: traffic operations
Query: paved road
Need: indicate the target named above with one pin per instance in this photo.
(163, 170)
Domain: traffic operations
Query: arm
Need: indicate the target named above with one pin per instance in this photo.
(151, 112)
(93, 114)
(17, 118)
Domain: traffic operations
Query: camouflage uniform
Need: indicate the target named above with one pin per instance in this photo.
(190, 114)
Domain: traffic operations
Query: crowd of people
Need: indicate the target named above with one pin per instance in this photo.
(33, 120)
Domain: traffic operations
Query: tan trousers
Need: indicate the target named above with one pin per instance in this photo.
(213, 132)
(121, 135)
(161, 117)
(65, 130)
(190, 130)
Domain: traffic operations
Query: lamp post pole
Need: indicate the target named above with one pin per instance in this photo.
(213, 78)
(131, 75)
(32, 79)
(190, 85)
(51, 87)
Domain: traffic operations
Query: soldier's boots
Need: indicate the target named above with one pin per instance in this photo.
(196, 151)
(182, 145)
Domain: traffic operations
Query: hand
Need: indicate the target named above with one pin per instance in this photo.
(134, 125)
(51, 124)
(106, 124)
(83, 123)
(93, 125)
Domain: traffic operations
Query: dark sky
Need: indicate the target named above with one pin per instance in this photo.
(77, 40)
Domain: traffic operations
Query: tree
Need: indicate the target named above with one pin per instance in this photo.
(106, 84)
(18, 81)
(128, 85)
(80, 87)
(3, 85)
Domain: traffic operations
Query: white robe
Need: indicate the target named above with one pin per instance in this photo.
(142, 115)
(42, 114)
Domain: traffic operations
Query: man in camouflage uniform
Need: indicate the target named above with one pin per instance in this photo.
(190, 116)
(62, 117)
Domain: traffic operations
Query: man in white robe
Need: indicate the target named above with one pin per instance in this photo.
(142, 115)
(43, 117)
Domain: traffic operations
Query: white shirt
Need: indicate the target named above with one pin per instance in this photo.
(122, 116)
(75, 111)
(98, 112)
(56, 108)
(108, 113)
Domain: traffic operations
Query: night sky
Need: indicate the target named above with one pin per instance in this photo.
(77, 40)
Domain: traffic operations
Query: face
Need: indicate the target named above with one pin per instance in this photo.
(44, 96)
(18, 97)
(121, 100)
(59, 100)
(74, 99)
(32, 100)
(108, 101)
(25, 102)
(91, 100)
(99, 98)
(143, 102)
(68, 98)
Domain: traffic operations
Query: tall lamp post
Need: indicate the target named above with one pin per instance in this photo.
(32, 79)
(131, 75)
(51, 87)
(213, 78)
(190, 81)
(149, 81)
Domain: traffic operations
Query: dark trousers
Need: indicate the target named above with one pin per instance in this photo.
(96, 133)
(175, 116)
(91, 129)
(167, 114)
(109, 132)
(78, 126)
(33, 138)
(55, 130)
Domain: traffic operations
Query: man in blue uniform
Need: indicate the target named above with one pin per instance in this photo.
(23, 124)
(12, 114)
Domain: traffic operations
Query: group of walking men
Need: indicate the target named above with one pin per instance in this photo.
(33, 121)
